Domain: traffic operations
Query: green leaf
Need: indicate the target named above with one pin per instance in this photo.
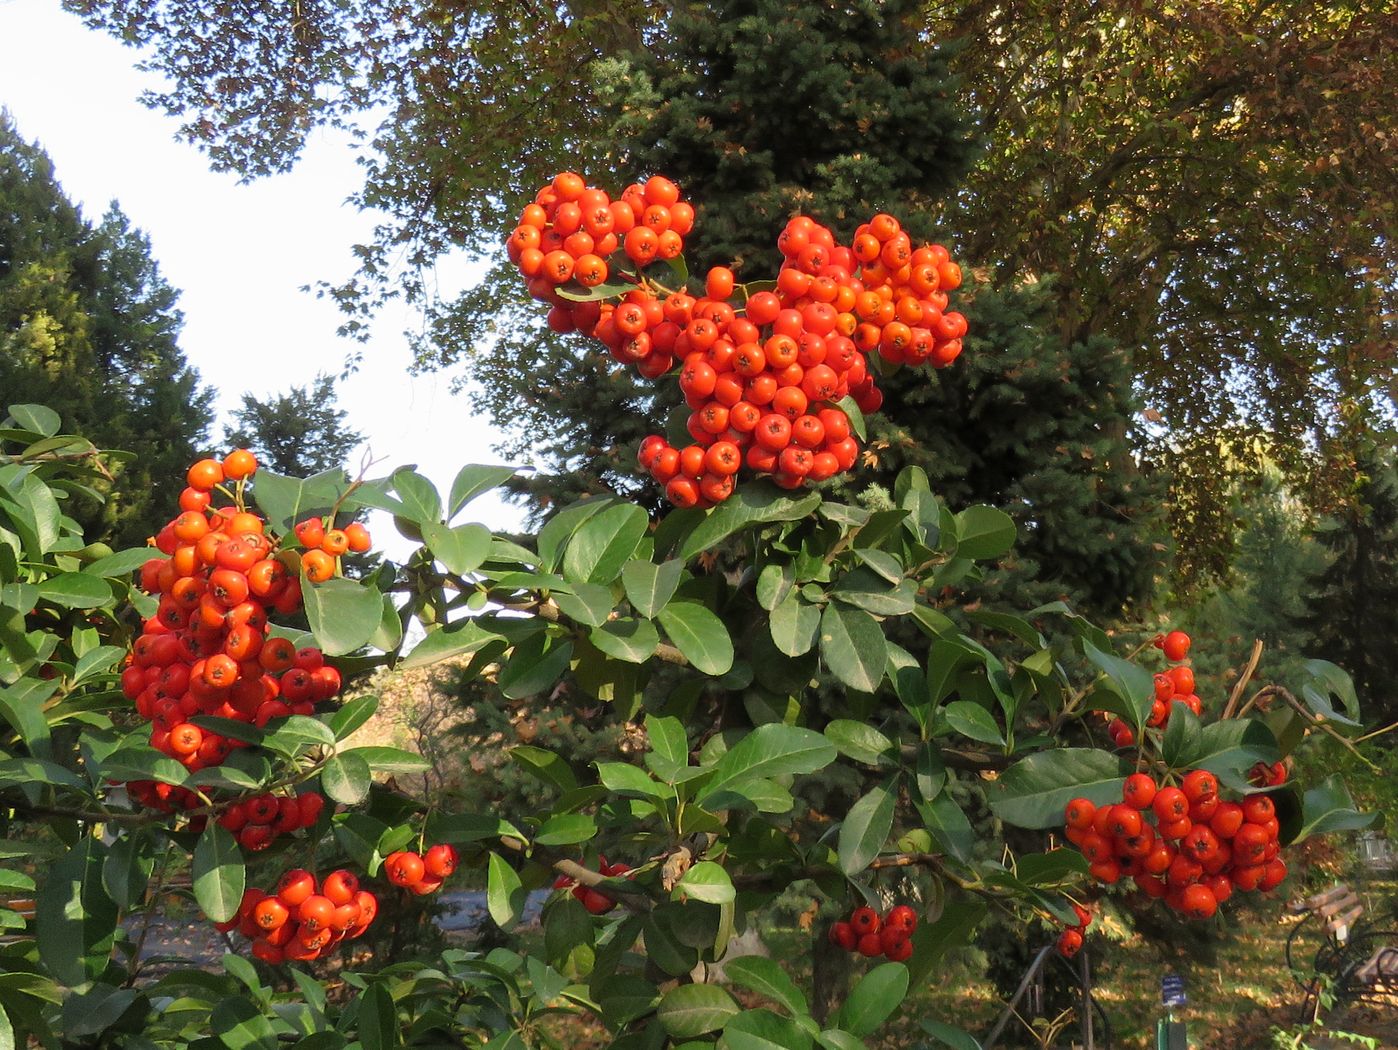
(953, 929)
(861, 742)
(121, 564)
(850, 408)
(566, 829)
(767, 978)
(96, 661)
(378, 1019)
(650, 587)
(1181, 741)
(669, 747)
(872, 1001)
(625, 779)
(75, 920)
(562, 525)
(852, 645)
(795, 625)
(754, 504)
(352, 715)
(707, 882)
(948, 825)
(1132, 683)
(472, 480)
(143, 763)
(126, 870)
(461, 549)
(838, 1039)
(343, 614)
(866, 828)
(950, 1035)
(624, 998)
(1033, 791)
(287, 501)
(346, 778)
(458, 639)
(1328, 807)
(627, 639)
(1329, 680)
(76, 590)
(692, 1009)
(239, 1025)
(763, 1030)
(504, 892)
(470, 827)
(536, 663)
(602, 546)
(870, 592)
(219, 874)
(972, 720)
(421, 503)
(382, 759)
(770, 750)
(1232, 746)
(699, 635)
(39, 419)
(545, 765)
(984, 533)
(774, 583)
(1050, 869)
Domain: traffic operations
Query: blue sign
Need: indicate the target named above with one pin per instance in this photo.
(1172, 990)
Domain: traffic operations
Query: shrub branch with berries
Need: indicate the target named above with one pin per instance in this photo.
(215, 702)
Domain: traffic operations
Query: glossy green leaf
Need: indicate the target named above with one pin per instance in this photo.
(40, 419)
(1033, 791)
(852, 646)
(669, 747)
(346, 778)
(343, 614)
(534, 666)
(952, 929)
(601, 547)
(239, 1024)
(219, 874)
(1132, 683)
(950, 1035)
(861, 742)
(874, 998)
(75, 920)
(504, 891)
(1328, 807)
(76, 590)
(378, 1019)
(650, 587)
(795, 625)
(462, 549)
(707, 882)
(382, 759)
(769, 751)
(566, 829)
(984, 533)
(699, 635)
(692, 1009)
(626, 639)
(866, 827)
(972, 720)
(458, 639)
(766, 977)
(755, 504)
(355, 712)
(471, 481)
(763, 1030)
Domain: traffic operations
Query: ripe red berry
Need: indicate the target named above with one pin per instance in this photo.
(865, 921)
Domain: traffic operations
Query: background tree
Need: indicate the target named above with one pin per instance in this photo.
(1213, 185)
(300, 432)
(89, 327)
(1351, 604)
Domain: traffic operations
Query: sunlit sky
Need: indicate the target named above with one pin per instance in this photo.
(239, 254)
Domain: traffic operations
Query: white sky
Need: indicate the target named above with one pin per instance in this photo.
(238, 253)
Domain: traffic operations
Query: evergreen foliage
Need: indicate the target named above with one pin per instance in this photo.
(1351, 608)
(89, 327)
(301, 432)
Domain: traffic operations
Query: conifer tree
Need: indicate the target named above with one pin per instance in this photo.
(89, 327)
(1352, 603)
(761, 109)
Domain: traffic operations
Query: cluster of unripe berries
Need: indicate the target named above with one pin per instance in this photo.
(1070, 940)
(872, 935)
(1171, 687)
(1197, 851)
(259, 821)
(421, 873)
(762, 373)
(207, 649)
(595, 901)
(300, 920)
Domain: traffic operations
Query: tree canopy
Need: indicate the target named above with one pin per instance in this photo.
(89, 326)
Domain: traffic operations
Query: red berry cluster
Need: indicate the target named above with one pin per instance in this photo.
(763, 372)
(300, 920)
(422, 874)
(1070, 940)
(259, 820)
(1171, 687)
(324, 547)
(871, 935)
(595, 901)
(207, 650)
(1198, 851)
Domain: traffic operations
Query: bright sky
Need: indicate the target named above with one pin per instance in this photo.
(238, 253)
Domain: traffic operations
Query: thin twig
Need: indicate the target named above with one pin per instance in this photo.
(1242, 683)
(152, 901)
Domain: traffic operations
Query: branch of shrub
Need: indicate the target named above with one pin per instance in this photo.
(962, 759)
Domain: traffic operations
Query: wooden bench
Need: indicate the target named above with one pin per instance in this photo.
(1359, 961)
